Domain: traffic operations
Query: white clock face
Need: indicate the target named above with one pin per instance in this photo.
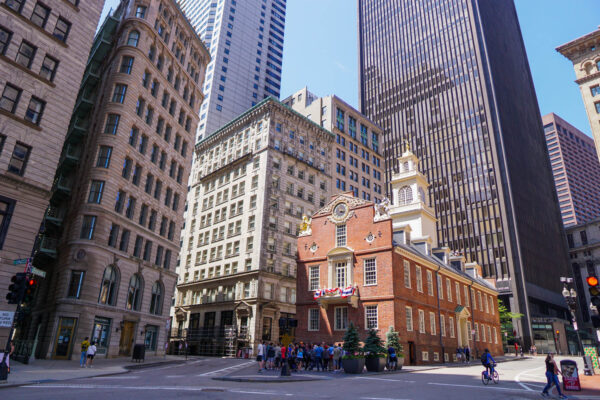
(340, 210)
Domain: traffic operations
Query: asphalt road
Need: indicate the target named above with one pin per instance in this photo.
(518, 380)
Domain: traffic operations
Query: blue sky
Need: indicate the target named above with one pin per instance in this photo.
(320, 50)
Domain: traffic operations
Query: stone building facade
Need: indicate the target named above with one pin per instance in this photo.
(254, 180)
(40, 61)
(358, 161)
(584, 53)
(377, 267)
(117, 203)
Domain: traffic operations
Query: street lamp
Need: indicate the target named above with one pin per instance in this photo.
(570, 296)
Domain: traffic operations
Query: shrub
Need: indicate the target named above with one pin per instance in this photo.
(393, 340)
(352, 343)
(374, 345)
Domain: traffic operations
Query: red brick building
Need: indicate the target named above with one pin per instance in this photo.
(375, 266)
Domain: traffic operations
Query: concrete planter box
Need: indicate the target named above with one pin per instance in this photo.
(375, 364)
(354, 365)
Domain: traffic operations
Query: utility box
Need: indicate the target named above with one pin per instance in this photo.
(139, 353)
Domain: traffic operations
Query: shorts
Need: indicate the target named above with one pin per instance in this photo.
(271, 359)
(91, 356)
(259, 358)
(393, 359)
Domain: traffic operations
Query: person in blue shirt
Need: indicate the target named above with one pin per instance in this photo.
(392, 359)
(488, 362)
(318, 357)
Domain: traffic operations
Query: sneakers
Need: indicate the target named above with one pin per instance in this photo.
(562, 396)
(545, 395)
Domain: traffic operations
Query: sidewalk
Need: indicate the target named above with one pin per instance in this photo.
(59, 370)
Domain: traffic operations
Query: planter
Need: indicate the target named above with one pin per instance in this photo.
(400, 362)
(353, 365)
(375, 364)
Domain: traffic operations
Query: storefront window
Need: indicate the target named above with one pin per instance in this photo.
(101, 333)
(151, 337)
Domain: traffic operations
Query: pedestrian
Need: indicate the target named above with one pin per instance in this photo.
(300, 357)
(260, 356)
(521, 351)
(516, 349)
(337, 357)
(318, 357)
(325, 356)
(84, 346)
(392, 358)
(458, 355)
(552, 372)
(278, 355)
(330, 350)
(467, 354)
(91, 352)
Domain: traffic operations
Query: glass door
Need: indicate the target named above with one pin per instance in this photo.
(64, 336)
(100, 334)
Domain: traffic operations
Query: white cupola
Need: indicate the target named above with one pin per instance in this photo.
(410, 205)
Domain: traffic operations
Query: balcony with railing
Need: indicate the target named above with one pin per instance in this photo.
(348, 295)
(48, 245)
(71, 155)
(55, 215)
(64, 183)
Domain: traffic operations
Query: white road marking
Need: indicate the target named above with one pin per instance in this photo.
(477, 387)
(269, 393)
(526, 373)
(175, 376)
(383, 379)
(116, 377)
(112, 387)
(227, 369)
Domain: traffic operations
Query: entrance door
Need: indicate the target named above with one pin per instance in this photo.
(127, 334)
(412, 353)
(64, 336)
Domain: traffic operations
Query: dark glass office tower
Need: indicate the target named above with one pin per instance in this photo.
(452, 77)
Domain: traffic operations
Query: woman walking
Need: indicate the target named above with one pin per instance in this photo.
(552, 372)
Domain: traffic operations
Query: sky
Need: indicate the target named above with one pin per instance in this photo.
(321, 52)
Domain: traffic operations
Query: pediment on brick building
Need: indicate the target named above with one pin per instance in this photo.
(462, 311)
(348, 198)
(339, 252)
(243, 309)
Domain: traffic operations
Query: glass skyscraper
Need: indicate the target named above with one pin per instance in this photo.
(245, 40)
(452, 78)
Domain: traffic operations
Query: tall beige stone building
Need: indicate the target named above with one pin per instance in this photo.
(254, 180)
(117, 203)
(584, 52)
(358, 164)
(42, 59)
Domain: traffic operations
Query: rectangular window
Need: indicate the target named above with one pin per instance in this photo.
(113, 235)
(61, 29)
(476, 331)
(137, 250)
(429, 283)
(147, 250)
(313, 319)
(419, 279)
(371, 317)
(466, 296)
(48, 69)
(432, 323)
(409, 319)
(112, 124)
(340, 274)
(7, 207)
(341, 318)
(19, 158)
(40, 14)
(421, 321)
(75, 284)
(440, 287)
(10, 98)
(314, 276)
(407, 283)
(5, 36)
(457, 287)
(451, 326)
(119, 93)
(442, 325)
(340, 235)
(96, 189)
(126, 65)
(35, 110)
(448, 290)
(370, 272)
(87, 228)
(124, 243)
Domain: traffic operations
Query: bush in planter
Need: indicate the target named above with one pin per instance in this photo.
(393, 340)
(353, 361)
(375, 352)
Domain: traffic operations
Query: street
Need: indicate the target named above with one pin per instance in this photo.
(518, 380)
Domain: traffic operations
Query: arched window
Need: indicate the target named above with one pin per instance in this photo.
(108, 289)
(133, 39)
(156, 300)
(134, 294)
(405, 195)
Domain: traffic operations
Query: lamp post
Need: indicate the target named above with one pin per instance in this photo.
(570, 296)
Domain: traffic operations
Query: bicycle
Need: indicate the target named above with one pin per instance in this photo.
(486, 378)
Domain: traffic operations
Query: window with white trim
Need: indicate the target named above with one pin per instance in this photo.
(492, 305)
(451, 326)
(457, 287)
(448, 290)
(436, 356)
(314, 277)
(409, 319)
(429, 283)
(370, 272)
(466, 295)
(407, 274)
(489, 329)
(443, 325)
(419, 279)
(480, 302)
(371, 317)
(340, 274)
(476, 331)
(421, 321)
(340, 235)
(313, 319)
(485, 301)
(440, 287)
(469, 331)
(432, 323)
(495, 336)
(425, 355)
(341, 318)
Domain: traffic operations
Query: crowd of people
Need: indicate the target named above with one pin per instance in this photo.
(463, 354)
(300, 356)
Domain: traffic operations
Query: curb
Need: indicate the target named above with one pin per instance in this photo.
(269, 380)
(133, 367)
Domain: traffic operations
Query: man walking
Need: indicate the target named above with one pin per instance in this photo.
(260, 356)
(318, 357)
(84, 346)
(91, 352)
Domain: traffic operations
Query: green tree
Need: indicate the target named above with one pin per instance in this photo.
(393, 340)
(373, 344)
(351, 341)
(506, 322)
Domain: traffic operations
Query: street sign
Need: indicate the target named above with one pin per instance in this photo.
(21, 261)
(6, 319)
(38, 272)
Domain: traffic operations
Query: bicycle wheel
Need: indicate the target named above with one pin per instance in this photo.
(496, 377)
(484, 379)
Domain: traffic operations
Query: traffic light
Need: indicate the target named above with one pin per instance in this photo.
(594, 290)
(16, 290)
(30, 288)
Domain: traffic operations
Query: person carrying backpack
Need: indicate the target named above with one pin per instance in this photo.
(488, 362)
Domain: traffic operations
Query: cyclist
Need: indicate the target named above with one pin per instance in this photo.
(488, 362)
